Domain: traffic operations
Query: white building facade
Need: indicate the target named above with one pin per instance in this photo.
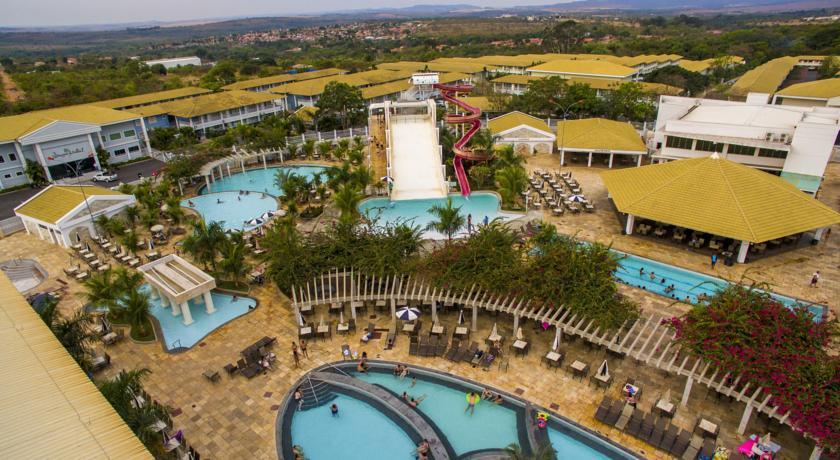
(793, 142)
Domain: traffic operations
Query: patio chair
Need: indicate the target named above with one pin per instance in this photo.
(440, 348)
(230, 369)
(345, 352)
(658, 432)
(624, 418)
(614, 412)
(669, 438)
(647, 427)
(413, 348)
(680, 444)
(708, 448)
(693, 449)
(467, 357)
(453, 350)
(351, 325)
(635, 424)
(603, 409)
(212, 376)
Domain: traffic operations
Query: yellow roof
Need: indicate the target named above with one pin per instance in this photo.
(316, 86)
(717, 196)
(595, 83)
(822, 89)
(702, 66)
(399, 86)
(522, 60)
(765, 78)
(517, 79)
(283, 78)
(581, 67)
(306, 113)
(599, 134)
(55, 201)
(151, 98)
(215, 102)
(513, 120)
(482, 102)
(453, 66)
(49, 407)
(149, 110)
(16, 126)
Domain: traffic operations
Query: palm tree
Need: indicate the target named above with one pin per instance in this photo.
(126, 280)
(324, 149)
(483, 141)
(130, 240)
(136, 309)
(362, 177)
(120, 392)
(233, 261)
(102, 223)
(545, 452)
(347, 199)
(131, 215)
(308, 148)
(449, 219)
(204, 242)
(356, 155)
(74, 332)
(506, 156)
(447, 139)
(100, 290)
(512, 181)
(174, 210)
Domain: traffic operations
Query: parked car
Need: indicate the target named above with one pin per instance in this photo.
(105, 176)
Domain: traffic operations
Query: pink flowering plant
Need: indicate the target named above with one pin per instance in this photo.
(783, 350)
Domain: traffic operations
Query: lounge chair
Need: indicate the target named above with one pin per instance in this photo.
(624, 418)
(708, 448)
(669, 438)
(488, 359)
(647, 427)
(658, 432)
(468, 356)
(635, 424)
(614, 413)
(453, 350)
(603, 409)
(426, 349)
(693, 449)
(440, 348)
(345, 352)
(680, 444)
(413, 348)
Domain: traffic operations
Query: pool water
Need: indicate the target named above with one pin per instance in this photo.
(176, 334)
(415, 212)
(567, 446)
(687, 283)
(359, 432)
(259, 180)
(234, 210)
(490, 427)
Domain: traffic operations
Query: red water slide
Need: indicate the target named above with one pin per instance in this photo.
(472, 117)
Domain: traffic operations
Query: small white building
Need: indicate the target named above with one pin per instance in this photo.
(65, 214)
(176, 282)
(793, 142)
(527, 134)
(176, 62)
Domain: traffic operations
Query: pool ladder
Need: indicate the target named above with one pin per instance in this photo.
(318, 394)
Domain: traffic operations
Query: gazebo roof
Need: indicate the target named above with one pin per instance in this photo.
(177, 278)
(717, 196)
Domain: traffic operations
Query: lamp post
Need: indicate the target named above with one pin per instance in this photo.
(566, 112)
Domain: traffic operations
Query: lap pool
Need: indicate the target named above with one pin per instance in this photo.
(232, 209)
(416, 212)
(259, 180)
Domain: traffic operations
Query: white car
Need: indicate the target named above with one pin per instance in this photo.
(104, 176)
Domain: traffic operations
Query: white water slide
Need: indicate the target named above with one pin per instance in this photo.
(415, 158)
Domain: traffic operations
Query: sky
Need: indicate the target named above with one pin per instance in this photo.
(33, 13)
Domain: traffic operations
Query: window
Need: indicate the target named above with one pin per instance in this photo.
(19, 173)
(119, 152)
(736, 149)
(2, 159)
(134, 148)
(7, 176)
(12, 157)
(129, 133)
(772, 153)
(708, 146)
(678, 142)
(114, 136)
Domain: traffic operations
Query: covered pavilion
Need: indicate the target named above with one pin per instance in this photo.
(722, 198)
(602, 137)
(176, 281)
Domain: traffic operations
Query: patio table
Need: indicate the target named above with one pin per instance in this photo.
(323, 330)
(708, 428)
(437, 330)
(553, 358)
(579, 368)
(666, 407)
(521, 346)
(343, 327)
(305, 331)
(408, 327)
(336, 306)
(462, 331)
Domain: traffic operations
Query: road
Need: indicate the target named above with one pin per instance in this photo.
(126, 174)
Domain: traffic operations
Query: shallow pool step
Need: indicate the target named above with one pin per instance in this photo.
(316, 395)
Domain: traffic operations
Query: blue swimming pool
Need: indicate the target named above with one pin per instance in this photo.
(490, 427)
(479, 205)
(232, 209)
(259, 180)
(567, 445)
(177, 335)
(359, 432)
(687, 283)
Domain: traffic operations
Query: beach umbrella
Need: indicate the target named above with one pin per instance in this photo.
(386, 179)
(341, 317)
(604, 369)
(577, 198)
(321, 322)
(408, 313)
(151, 245)
(495, 330)
(519, 333)
(558, 337)
(667, 395)
(461, 317)
(254, 221)
(301, 322)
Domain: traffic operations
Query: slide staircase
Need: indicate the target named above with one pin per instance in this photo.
(472, 117)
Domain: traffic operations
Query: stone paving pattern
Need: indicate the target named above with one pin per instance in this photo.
(235, 417)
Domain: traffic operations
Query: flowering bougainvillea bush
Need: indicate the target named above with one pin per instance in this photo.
(745, 331)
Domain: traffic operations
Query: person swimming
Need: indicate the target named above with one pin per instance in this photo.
(472, 399)
(334, 410)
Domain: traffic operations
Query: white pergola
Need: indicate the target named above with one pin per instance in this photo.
(176, 281)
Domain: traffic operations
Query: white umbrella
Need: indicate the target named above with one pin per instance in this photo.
(301, 322)
(322, 321)
(604, 369)
(461, 317)
(254, 221)
(408, 313)
(151, 245)
(519, 333)
(558, 337)
(578, 198)
(341, 317)
(495, 330)
(386, 179)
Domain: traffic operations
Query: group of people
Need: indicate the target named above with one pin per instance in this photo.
(401, 371)
(423, 449)
(411, 401)
(489, 396)
(363, 365)
(298, 351)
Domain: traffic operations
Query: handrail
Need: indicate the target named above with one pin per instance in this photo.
(312, 388)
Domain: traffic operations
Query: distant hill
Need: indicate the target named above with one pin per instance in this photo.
(690, 5)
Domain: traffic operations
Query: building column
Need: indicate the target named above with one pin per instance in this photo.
(687, 390)
(145, 137)
(208, 303)
(515, 323)
(589, 161)
(562, 157)
(611, 160)
(638, 160)
(474, 318)
(745, 418)
(742, 252)
(227, 165)
(155, 294)
(185, 309)
(393, 308)
(43, 160)
(631, 220)
(818, 235)
(164, 301)
(207, 181)
(265, 164)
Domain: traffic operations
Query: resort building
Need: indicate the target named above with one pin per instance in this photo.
(706, 66)
(143, 100)
(175, 62)
(308, 92)
(518, 84)
(718, 205)
(600, 140)
(527, 134)
(65, 141)
(50, 407)
(769, 77)
(793, 142)
(65, 214)
(406, 90)
(215, 111)
(503, 64)
(475, 71)
(266, 83)
(176, 283)
(591, 69)
(819, 93)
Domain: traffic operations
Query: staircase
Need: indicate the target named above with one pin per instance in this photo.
(316, 393)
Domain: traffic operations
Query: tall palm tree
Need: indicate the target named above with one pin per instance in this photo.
(136, 308)
(483, 141)
(324, 148)
(132, 214)
(204, 242)
(174, 210)
(102, 223)
(449, 219)
(512, 181)
(120, 392)
(130, 240)
(362, 177)
(545, 452)
(347, 199)
(126, 280)
(74, 332)
(101, 291)
(233, 261)
(506, 156)
(308, 148)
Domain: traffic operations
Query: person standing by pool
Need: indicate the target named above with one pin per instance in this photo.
(334, 410)
(486, 220)
(472, 399)
(303, 348)
(815, 278)
(299, 397)
(295, 354)
(714, 260)
(469, 223)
